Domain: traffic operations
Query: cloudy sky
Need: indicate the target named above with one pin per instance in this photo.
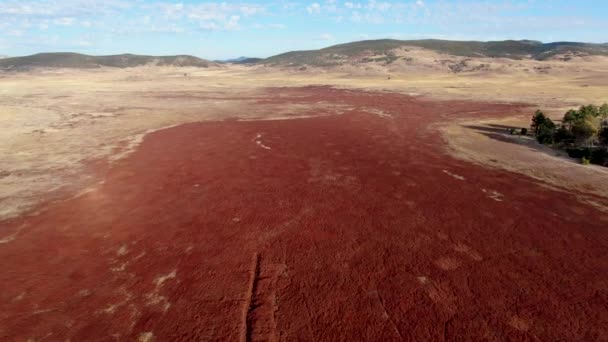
(218, 30)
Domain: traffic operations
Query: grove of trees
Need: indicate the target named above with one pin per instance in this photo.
(583, 132)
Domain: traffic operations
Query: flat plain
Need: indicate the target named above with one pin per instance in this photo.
(251, 203)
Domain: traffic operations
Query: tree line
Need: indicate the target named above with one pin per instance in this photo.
(582, 132)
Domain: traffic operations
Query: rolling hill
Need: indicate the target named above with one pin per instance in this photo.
(80, 61)
(241, 60)
(513, 49)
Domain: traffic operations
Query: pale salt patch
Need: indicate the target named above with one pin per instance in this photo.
(423, 280)
(259, 143)
(459, 177)
(379, 113)
(147, 336)
(120, 268)
(122, 250)
(493, 194)
(160, 280)
(154, 298)
(262, 145)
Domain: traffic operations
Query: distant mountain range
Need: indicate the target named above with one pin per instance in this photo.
(330, 56)
(80, 61)
(240, 60)
(514, 49)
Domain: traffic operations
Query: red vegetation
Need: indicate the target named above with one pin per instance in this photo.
(347, 227)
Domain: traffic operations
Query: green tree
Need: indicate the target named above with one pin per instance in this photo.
(545, 131)
(571, 117)
(589, 111)
(604, 115)
(604, 111)
(563, 135)
(538, 119)
(603, 136)
(583, 131)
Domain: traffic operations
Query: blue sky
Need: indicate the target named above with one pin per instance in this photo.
(217, 30)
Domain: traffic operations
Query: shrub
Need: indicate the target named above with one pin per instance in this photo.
(545, 136)
(599, 156)
(545, 131)
(563, 135)
(571, 116)
(579, 152)
(603, 136)
(580, 130)
(589, 111)
(583, 131)
(538, 119)
(604, 111)
(524, 131)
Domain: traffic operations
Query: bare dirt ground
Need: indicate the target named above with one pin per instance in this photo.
(354, 221)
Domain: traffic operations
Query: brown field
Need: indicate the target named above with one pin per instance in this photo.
(240, 203)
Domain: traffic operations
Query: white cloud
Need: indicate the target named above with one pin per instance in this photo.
(232, 23)
(83, 43)
(269, 26)
(209, 26)
(114, 16)
(64, 21)
(326, 37)
(64, 8)
(379, 6)
(216, 16)
(250, 10)
(103, 20)
(314, 8)
(14, 33)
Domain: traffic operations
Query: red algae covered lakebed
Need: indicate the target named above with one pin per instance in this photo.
(343, 227)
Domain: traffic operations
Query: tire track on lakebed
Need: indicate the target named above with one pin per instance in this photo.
(361, 228)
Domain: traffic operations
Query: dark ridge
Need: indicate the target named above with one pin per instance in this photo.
(240, 60)
(80, 61)
(514, 49)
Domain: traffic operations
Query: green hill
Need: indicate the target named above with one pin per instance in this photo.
(515, 49)
(80, 61)
(240, 60)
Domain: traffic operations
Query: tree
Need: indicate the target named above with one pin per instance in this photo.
(603, 136)
(589, 111)
(571, 117)
(545, 131)
(563, 135)
(538, 119)
(583, 131)
(604, 115)
(604, 111)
